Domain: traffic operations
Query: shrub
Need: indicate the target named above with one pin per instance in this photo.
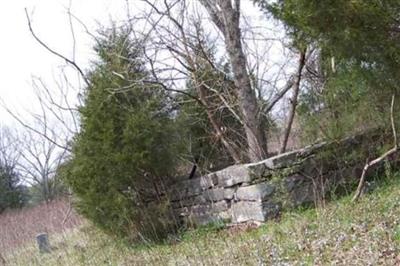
(124, 150)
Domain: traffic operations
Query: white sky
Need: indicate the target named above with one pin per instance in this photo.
(21, 56)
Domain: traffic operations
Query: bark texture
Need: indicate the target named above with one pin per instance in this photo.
(225, 14)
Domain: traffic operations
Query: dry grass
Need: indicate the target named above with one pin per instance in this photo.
(19, 227)
(344, 233)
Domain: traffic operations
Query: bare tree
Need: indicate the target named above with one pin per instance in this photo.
(9, 149)
(39, 161)
(181, 37)
(226, 16)
(175, 51)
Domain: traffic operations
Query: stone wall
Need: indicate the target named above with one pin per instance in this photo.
(259, 191)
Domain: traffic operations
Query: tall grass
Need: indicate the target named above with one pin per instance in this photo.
(343, 233)
(19, 227)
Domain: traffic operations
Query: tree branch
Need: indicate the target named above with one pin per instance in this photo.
(69, 61)
(393, 150)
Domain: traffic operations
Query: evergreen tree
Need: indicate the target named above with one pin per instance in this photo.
(11, 191)
(125, 146)
(359, 60)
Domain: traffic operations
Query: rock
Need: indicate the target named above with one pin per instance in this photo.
(203, 219)
(244, 211)
(225, 215)
(229, 193)
(192, 187)
(184, 202)
(258, 192)
(208, 181)
(258, 170)
(220, 206)
(204, 214)
(216, 194)
(43, 243)
(281, 160)
(233, 175)
(213, 207)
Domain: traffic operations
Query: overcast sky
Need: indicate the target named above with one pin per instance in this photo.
(21, 56)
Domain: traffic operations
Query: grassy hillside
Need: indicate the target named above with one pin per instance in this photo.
(343, 233)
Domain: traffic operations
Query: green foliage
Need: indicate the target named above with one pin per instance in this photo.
(366, 31)
(124, 150)
(348, 104)
(11, 191)
(363, 39)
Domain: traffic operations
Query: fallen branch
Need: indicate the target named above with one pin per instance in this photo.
(380, 158)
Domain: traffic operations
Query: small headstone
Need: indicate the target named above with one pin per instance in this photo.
(43, 243)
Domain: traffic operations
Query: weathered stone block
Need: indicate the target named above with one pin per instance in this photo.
(208, 181)
(184, 202)
(258, 170)
(202, 219)
(203, 214)
(225, 215)
(192, 187)
(252, 191)
(244, 211)
(229, 193)
(216, 194)
(281, 160)
(214, 207)
(233, 175)
(258, 192)
(220, 206)
(303, 194)
(300, 190)
(43, 243)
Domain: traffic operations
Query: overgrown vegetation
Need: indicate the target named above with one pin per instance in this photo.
(161, 100)
(343, 233)
(125, 150)
(353, 71)
(11, 192)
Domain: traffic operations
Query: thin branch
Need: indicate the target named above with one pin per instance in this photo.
(69, 61)
(393, 150)
(292, 111)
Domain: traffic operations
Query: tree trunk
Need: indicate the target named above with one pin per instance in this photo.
(227, 20)
(293, 105)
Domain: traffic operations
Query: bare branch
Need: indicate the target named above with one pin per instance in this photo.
(69, 61)
(368, 165)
